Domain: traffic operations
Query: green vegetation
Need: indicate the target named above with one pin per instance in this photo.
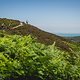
(22, 58)
(42, 36)
(28, 53)
(7, 23)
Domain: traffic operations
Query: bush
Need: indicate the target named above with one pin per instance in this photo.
(22, 58)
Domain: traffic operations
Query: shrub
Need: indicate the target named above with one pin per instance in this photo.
(22, 58)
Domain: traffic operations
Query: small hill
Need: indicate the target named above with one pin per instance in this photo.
(14, 27)
(74, 39)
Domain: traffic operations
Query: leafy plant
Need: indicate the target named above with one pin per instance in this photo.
(21, 57)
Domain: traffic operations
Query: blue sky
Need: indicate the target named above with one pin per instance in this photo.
(55, 16)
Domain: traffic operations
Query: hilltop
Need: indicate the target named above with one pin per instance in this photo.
(22, 28)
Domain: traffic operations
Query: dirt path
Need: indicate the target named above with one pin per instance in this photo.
(21, 24)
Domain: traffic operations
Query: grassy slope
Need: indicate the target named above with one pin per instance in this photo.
(42, 36)
(42, 62)
(8, 22)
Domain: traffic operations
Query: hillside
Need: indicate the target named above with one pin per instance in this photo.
(33, 54)
(14, 27)
(74, 39)
(7, 23)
